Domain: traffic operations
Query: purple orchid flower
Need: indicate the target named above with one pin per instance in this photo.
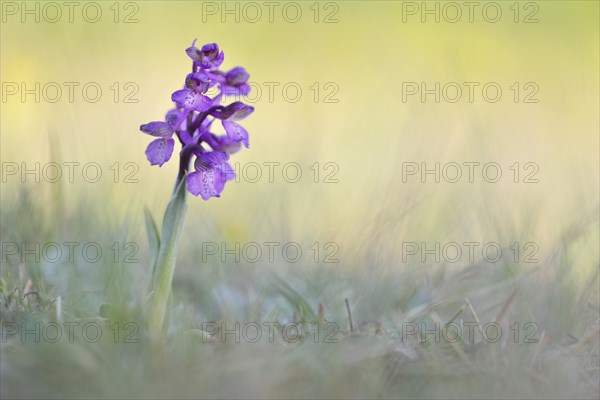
(212, 171)
(160, 150)
(234, 82)
(192, 118)
(192, 96)
(207, 57)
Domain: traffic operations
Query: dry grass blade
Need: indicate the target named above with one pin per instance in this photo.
(475, 316)
(436, 318)
(349, 315)
(540, 345)
(583, 343)
(506, 305)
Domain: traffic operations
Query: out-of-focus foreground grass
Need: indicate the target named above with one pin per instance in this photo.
(556, 356)
(369, 214)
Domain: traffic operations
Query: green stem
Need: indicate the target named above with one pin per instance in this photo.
(167, 255)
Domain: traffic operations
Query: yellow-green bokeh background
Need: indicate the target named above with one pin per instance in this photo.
(368, 133)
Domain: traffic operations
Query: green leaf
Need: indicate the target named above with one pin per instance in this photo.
(307, 314)
(165, 266)
(154, 242)
(455, 315)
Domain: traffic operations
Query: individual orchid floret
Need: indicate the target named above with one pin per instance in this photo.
(173, 116)
(211, 172)
(226, 144)
(160, 150)
(207, 57)
(236, 111)
(236, 132)
(223, 143)
(199, 82)
(235, 82)
(192, 96)
(158, 129)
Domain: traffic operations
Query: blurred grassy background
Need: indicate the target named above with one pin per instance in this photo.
(368, 54)
(368, 133)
